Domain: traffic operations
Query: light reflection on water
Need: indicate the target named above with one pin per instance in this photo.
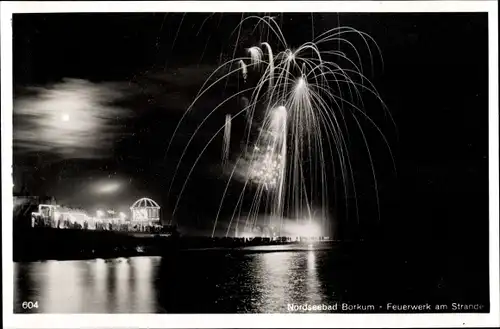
(258, 280)
(255, 282)
(285, 278)
(118, 285)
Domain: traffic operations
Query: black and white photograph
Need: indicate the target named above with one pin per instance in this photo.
(246, 158)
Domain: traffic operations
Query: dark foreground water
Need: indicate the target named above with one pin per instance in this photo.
(259, 279)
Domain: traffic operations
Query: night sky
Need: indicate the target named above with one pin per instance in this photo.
(137, 82)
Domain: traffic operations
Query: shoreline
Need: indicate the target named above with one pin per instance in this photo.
(41, 244)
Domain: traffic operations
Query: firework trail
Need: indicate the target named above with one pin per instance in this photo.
(298, 107)
(244, 71)
(227, 140)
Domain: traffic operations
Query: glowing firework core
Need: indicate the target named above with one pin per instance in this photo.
(267, 167)
(266, 171)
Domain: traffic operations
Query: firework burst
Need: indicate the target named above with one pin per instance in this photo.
(298, 107)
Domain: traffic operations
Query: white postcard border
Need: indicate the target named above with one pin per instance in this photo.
(12, 320)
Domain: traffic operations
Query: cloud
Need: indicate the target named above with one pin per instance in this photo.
(73, 119)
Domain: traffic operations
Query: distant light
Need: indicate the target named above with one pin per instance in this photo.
(100, 213)
(108, 187)
(65, 117)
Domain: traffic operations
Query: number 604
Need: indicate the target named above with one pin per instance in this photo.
(29, 305)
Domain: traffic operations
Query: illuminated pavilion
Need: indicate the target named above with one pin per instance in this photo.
(145, 212)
